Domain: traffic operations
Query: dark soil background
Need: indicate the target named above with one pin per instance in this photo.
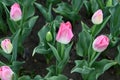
(37, 64)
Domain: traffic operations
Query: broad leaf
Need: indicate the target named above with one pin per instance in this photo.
(83, 44)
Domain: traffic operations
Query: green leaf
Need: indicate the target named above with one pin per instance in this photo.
(16, 66)
(100, 67)
(117, 58)
(38, 77)
(51, 71)
(7, 56)
(94, 5)
(28, 27)
(52, 2)
(41, 50)
(46, 12)
(43, 47)
(97, 28)
(82, 67)
(101, 3)
(2, 64)
(24, 78)
(59, 77)
(67, 53)
(11, 23)
(85, 27)
(8, 2)
(3, 26)
(15, 45)
(114, 21)
(83, 44)
(66, 10)
(28, 9)
(55, 52)
(32, 21)
(76, 5)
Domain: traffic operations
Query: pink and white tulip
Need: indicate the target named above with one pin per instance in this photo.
(100, 43)
(97, 17)
(15, 12)
(6, 73)
(6, 46)
(64, 34)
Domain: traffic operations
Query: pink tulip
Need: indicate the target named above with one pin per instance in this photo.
(100, 43)
(64, 34)
(6, 73)
(97, 17)
(15, 12)
(6, 46)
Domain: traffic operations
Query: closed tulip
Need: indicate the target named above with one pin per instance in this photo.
(64, 34)
(7, 46)
(97, 17)
(15, 12)
(6, 73)
(100, 43)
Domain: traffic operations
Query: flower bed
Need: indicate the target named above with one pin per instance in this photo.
(60, 39)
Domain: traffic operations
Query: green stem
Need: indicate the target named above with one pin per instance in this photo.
(93, 60)
(62, 50)
(93, 55)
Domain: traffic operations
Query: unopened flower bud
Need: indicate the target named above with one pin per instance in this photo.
(6, 46)
(15, 12)
(6, 73)
(49, 36)
(97, 17)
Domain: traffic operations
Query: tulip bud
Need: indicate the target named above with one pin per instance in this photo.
(15, 12)
(100, 43)
(97, 17)
(6, 46)
(6, 73)
(64, 34)
(49, 36)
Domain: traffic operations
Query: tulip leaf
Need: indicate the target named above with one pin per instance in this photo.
(66, 10)
(117, 59)
(28, 27)
(76, 5)
(55, 52)
(114, 21)
(67, 52)
(59, 77)
(99, 68)
(11, 23)
(15, 45)
(82, 67)
(46, 12)
(83, 44)
(28, 9)
(7, 56)
(38, 77)
(24, 78)
(16, 65)
(43, 47)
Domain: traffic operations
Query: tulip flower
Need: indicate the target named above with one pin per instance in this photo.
(15, 12)
(6, 73)
(6, 46)
(97, 17)
(100, 43)
(64, 34)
